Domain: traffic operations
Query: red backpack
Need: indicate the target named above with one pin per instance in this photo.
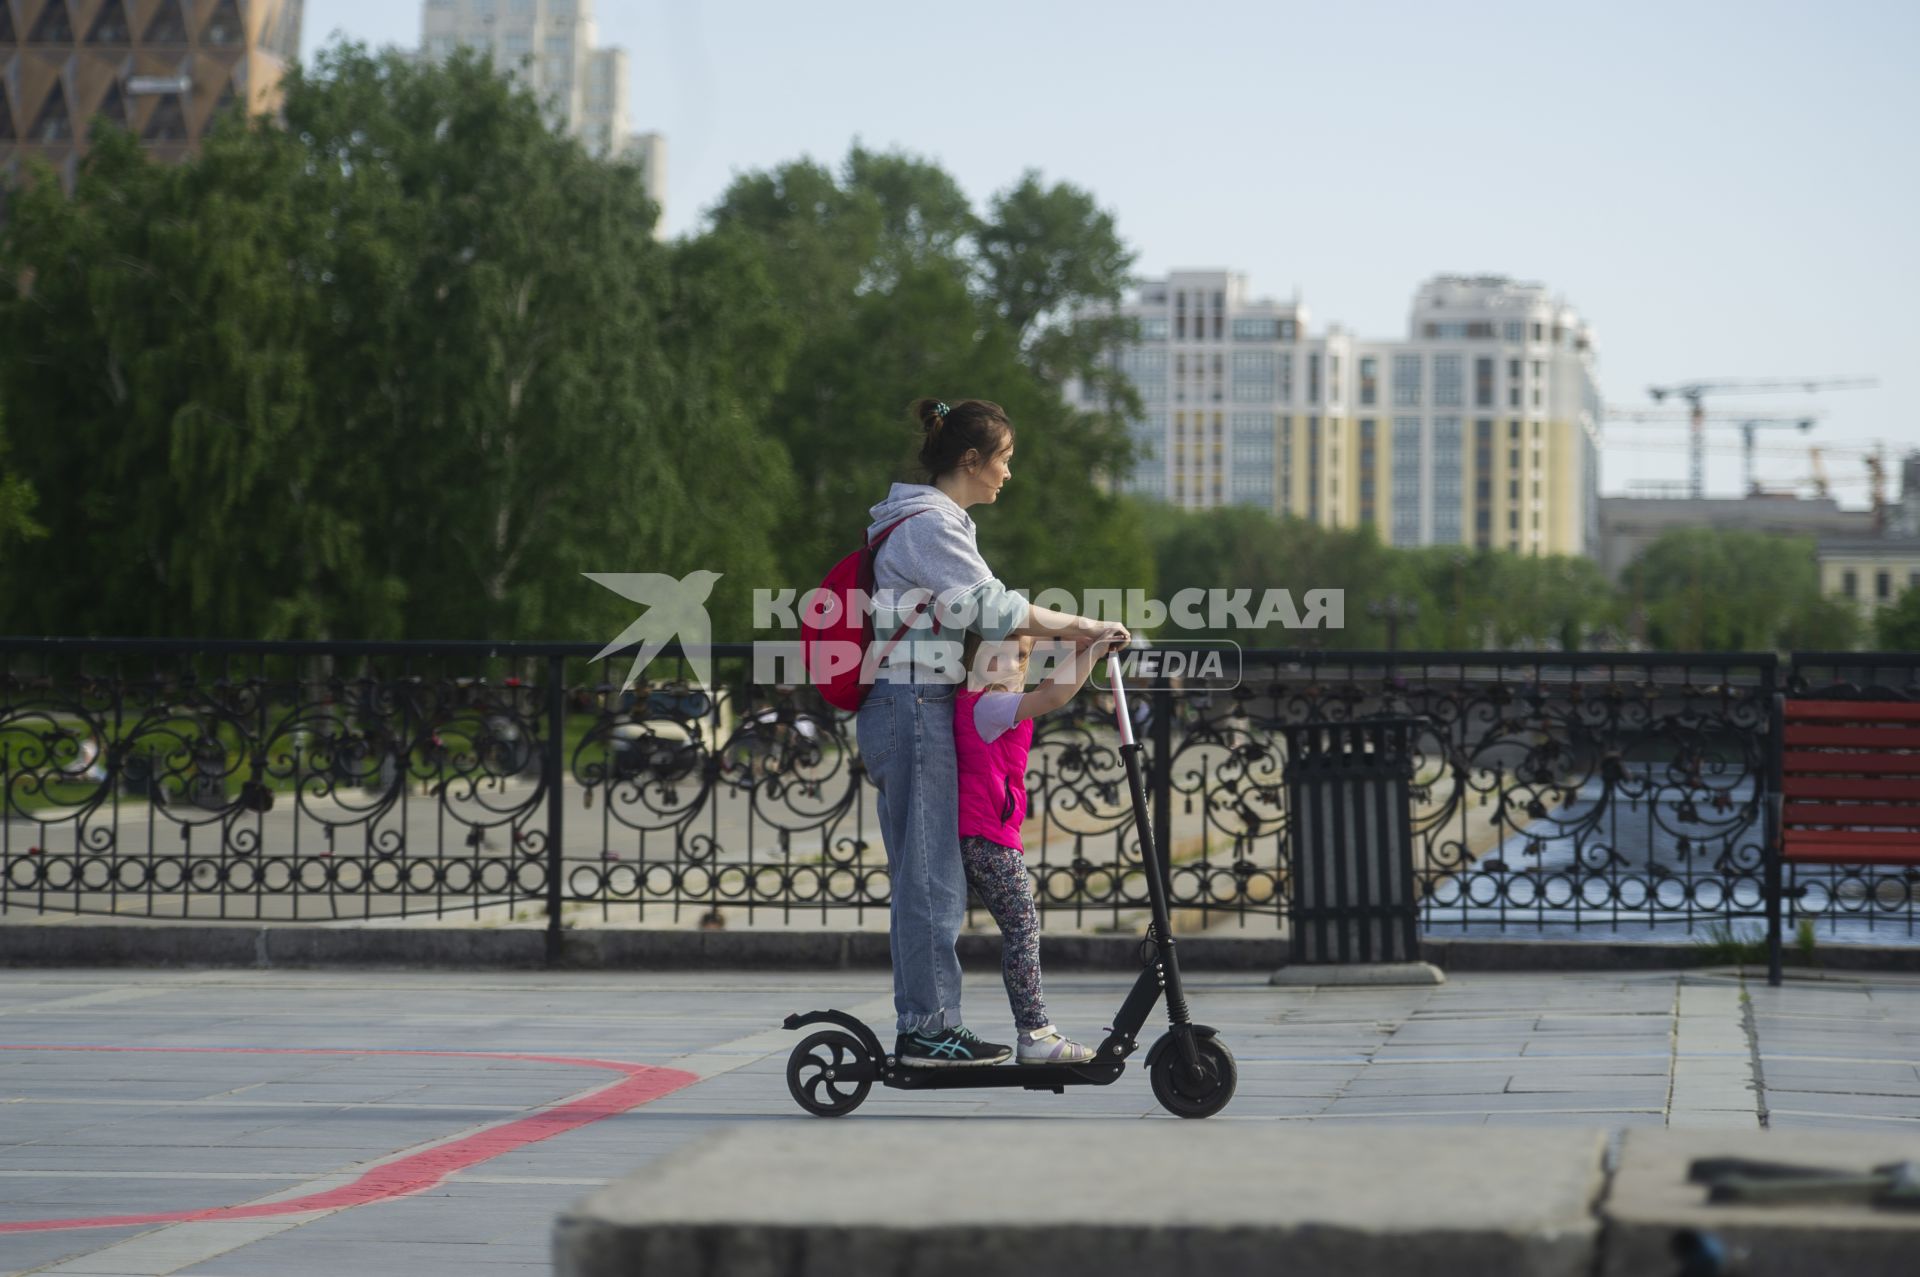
(836, 624)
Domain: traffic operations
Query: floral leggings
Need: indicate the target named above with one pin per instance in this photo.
(998, 875)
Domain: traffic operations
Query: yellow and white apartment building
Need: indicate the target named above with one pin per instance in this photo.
(1478, 429)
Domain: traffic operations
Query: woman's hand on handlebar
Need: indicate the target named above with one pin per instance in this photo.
(1102, 636)
(1081, 631)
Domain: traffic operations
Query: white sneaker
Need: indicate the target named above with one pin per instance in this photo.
(1046, 1046)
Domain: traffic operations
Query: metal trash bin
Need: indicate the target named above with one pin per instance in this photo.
(1352, 841)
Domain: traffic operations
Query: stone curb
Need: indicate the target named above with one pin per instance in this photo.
(1223, 1199)
(1631, 955)
(246, 945)
(196, 944)
(817, 1199)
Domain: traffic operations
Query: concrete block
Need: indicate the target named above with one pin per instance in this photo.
(1121, 1197)
(1650, 1200)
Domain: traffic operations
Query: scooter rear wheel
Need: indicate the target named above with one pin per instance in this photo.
(1184, 1093)
(814, 1069)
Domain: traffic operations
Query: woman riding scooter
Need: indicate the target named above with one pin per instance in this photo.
(905, 725)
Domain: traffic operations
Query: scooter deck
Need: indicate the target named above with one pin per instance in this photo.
(1034, 1077)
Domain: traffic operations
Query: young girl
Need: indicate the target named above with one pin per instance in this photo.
(992, 734)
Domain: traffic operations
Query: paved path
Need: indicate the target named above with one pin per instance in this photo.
(432, 1123)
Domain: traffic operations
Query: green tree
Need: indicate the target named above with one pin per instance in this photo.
(1543, 602)
(1052, 264)
(158, 348)
(925, 219)
(16, 501)
(1897, 626)
(1237, 548)
(875, 277)
(405, 367)
(1446, 598)
(1700, 589)
(408, 362)
(503, 307)
(1046, 252)
(1819, 624)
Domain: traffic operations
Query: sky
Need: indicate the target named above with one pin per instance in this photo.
(1725, 191)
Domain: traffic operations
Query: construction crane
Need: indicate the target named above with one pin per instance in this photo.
(1694, 391)
(1803, 420)
(1732, 450)
(1877, 473)
(1752, 424)
(1656, 416)
(1816, 477)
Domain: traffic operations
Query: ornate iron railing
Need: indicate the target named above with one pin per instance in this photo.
(1553, 793)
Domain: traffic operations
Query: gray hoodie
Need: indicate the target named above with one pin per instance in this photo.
(936, 551)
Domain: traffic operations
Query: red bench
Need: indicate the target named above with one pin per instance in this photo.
(1848, 792)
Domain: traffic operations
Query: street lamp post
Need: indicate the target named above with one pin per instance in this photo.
(1393, 610)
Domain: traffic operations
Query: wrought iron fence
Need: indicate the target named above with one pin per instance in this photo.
(324, 781)
(1551, 793)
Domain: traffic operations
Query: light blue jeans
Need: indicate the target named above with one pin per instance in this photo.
(905, 733)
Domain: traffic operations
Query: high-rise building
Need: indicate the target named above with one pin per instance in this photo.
(649, 152)
(162, 68)
(549, 45)
(1478, 429)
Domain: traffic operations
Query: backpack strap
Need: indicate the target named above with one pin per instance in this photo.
(873, 543)
(904, 627)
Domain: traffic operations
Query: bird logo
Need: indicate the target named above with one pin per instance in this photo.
(674, 608)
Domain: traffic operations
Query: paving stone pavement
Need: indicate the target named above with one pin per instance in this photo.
(86, 1134)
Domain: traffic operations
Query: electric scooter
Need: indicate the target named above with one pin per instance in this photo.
(1193, 1074)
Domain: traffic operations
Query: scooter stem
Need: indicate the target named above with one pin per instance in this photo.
(1157, 888)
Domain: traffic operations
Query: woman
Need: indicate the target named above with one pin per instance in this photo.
(905, 726)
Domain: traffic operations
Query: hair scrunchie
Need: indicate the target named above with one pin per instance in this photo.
(941, 410)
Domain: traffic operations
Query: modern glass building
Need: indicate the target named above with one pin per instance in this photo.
(1478, 428)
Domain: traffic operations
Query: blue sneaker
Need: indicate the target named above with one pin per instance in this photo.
(949, 1048)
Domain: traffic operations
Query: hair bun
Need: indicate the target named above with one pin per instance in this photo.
(949, 432)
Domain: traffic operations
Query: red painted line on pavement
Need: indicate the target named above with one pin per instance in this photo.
(415, 1172)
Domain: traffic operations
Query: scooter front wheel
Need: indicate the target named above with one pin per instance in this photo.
(816, 1069)
(1187, 1093)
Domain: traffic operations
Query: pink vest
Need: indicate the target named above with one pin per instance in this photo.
(993, 775)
